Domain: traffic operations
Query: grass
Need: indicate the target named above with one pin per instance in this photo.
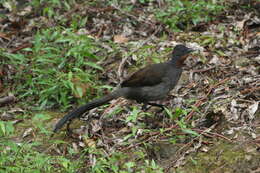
(181, 15)
(22, 156)
(58, 68)
(36, 156)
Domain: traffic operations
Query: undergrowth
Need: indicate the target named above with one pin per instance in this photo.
(61, 67)
(181, 15)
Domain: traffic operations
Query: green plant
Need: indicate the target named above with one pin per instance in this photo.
(152, 167)
(60, 65)
(120, 162)
(22, 157)
(39, 122)
(6, 128)
(180, 14)
(183, 125)
(178, 113)
(133, 116)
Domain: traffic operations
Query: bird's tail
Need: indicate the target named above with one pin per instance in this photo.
(82, 109)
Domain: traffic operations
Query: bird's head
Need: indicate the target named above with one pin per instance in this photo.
(180, 54)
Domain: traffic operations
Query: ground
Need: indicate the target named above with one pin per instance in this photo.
(57, 55)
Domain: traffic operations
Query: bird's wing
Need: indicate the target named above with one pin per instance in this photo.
(148, 76)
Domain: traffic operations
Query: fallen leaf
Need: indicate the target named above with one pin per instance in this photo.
(89, 142)
(234, 110)
(215, 60)
(27, 10)
(75, 147)
(240, 25)
(252, 110)
(27, 132)
(3, 35)
(120, 39)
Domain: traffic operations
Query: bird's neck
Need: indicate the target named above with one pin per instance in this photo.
(176, 61)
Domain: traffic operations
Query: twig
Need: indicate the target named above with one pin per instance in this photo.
(137, 144)
(120, 68)
(203, 70)
(132, 16)
(26, 45)
(249, 90)
(202, 100)
(196, 105)
(212, 133)
(122, 64)
(181, 157)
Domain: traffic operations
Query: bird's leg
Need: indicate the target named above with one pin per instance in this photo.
(69, 131)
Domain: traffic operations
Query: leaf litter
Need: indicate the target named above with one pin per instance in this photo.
(222, 79)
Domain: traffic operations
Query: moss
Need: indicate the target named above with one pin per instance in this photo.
(222, 157)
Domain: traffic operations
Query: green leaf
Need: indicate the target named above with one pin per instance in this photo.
(94, 65)
(133, 116)
(130, 164)
(41, 117)
(189, 131)
(2, 128)
(79, 91)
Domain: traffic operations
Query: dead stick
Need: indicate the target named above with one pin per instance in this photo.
(26, 45)
(212, 133)
(246, 91)
(122, 64)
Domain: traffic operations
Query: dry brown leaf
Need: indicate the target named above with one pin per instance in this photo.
(3, 35)
(27, 132)
(80, 88)
(240, 24)
(120, 39)
(252, 110)
(89, 142)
